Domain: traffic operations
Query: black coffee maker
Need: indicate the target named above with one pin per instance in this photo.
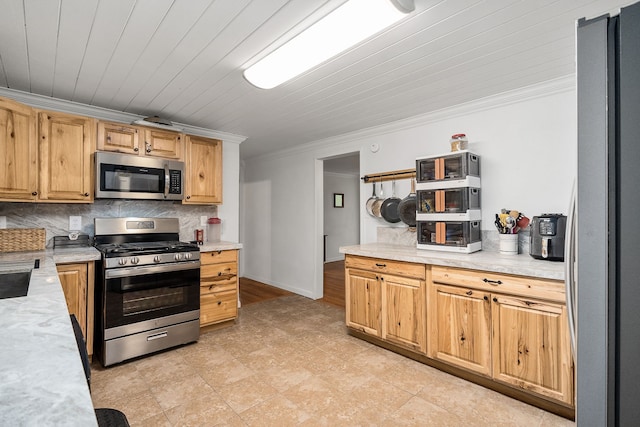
(547, 237)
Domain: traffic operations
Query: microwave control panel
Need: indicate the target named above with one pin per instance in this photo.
(175, 182)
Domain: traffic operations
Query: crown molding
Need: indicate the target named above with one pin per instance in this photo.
(548, 88)
(71, 107)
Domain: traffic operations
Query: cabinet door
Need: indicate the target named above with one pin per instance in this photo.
(531, 346)
(18, 152)
(203, 170)
(161, 143)
(403, 311)
(66, 144)
(460, 319)
(78, 286)
(363, 301)
(118, 137)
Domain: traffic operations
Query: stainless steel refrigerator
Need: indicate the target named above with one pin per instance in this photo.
(605, 288)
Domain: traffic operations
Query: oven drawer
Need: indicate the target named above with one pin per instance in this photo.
(215, 257)
(218, 307)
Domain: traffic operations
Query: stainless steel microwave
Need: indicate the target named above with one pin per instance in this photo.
(128, 176)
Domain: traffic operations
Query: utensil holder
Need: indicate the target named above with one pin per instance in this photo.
(509, 244)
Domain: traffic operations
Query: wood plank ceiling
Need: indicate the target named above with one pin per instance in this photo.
(183, 60)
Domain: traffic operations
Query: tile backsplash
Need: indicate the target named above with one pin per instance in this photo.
(54, 218)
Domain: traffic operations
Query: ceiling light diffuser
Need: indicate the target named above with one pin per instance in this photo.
(347, 25)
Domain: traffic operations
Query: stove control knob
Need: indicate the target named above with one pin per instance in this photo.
(122, 261)
(156, 258)
(177, 256)
(188, 255)
(135, 260)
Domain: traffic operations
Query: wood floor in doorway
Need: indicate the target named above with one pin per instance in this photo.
(252, 291)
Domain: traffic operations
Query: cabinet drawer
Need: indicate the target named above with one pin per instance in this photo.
(225, 285)
(218, 256)
(400, 268)
(552, 290)
(217, 307)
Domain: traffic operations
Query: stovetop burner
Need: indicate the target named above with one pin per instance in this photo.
(145, 248)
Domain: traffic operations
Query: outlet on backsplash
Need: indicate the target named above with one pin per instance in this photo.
(75, 223)
(3, 221)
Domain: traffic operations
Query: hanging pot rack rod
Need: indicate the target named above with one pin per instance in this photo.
(389, 176)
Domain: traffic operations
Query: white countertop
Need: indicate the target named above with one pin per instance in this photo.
(522, 264)
(42, 381)
(219, 246)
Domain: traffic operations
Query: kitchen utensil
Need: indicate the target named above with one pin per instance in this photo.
(407, 207)
(377, 204)
(371, 201)
(389, 208)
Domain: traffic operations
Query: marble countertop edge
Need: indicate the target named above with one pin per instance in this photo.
(521, 264)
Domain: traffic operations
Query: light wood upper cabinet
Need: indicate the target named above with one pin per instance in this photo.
(66, 143)
(531, 346)
(162, 143)
(18, 152)
(460, 320)
(203, 163)
(138, 140)
(118, 137)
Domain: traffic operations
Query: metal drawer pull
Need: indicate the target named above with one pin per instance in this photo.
(381, 265)
(158, 336)
(493, 282)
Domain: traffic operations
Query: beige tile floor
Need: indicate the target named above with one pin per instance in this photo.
(290, 362)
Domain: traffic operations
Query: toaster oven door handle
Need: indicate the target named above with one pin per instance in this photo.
(166, 180)
(152, 269)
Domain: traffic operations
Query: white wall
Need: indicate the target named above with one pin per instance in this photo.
(526, 140)
(341, 225)
(229, 210)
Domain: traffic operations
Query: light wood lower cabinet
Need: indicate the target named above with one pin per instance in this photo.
(78, 286)
(530, 346)
(363, 296)
(386, 299)
(460, 322)
(218, 286)
(491, 325)
(505, 330)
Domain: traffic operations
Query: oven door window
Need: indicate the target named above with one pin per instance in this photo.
(137, 298)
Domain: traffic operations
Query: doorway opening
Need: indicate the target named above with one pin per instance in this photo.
(341, 220)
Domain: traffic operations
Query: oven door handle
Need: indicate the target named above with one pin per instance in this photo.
(152, 269)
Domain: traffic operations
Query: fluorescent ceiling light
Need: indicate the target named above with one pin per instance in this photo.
(344, 27)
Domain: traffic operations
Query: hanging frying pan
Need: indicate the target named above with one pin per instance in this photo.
(377, 205)
(389, 208)
(407, 207)
(371, 201)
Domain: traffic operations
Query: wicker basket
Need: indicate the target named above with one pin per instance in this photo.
(22, 239)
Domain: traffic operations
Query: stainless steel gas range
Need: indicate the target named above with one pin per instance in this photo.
(147, 288)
